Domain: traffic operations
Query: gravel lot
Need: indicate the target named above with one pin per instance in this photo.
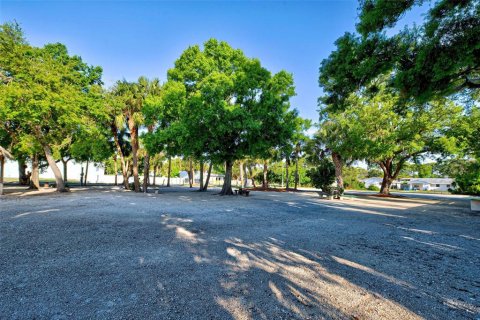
(104, 253)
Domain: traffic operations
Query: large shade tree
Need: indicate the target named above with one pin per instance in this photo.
(49, 93)
(371, 129)
(239, 108)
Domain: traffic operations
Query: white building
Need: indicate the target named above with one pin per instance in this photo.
(215, 179)
(96, 171)
(427, 184)
(416, 184)
(374, 181)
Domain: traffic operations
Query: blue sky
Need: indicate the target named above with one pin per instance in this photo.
(130, 39)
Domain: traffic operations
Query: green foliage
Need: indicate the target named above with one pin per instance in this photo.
(452, 167)
(47, 97)
(373, 188)
(436, 59)
(468, 182)
(462, 137)
(425, 170)
(272, 177)
(374, 172)
(376, 15)
(323, 176)
(352, 177)
(49, 94)
(234, 107)
(91, 146)
(163, 110)
(371, 129)
(228, 107)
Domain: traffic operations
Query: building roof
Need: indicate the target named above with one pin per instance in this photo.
(432, 180)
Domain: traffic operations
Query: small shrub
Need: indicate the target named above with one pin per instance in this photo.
(354, 184)
(373, 187)
(323, 176)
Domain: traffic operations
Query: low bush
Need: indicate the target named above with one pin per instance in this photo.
(468, 182)
(323, 176)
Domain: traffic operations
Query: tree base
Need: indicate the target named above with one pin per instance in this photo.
(228, 192)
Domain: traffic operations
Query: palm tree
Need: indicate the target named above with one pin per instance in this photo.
(137, 102)
(131, 98)
(151, 91)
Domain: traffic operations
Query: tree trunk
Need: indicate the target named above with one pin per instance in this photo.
(388, 177)
(201, 174)
(205, 186)
(241, 173)
(169, 171)
(296, 173)
(65, 170)
(250, 170)
(227, 182)
(146, 166)
(115, 166)
(287, 176)
(128, 174)
(385, 187)
(86, 174)
(2, 169)
(125, 178)
(146, 172)
(338, 162)
(245, 179)
(53, 165)
(265, 174)
(134, 141)
(120, 153)
(154, 174)
(22, 175)
(190, 173)
(35, 178)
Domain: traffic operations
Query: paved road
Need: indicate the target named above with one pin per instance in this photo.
(103, 253)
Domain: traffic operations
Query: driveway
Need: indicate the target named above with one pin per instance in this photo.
(98, 253)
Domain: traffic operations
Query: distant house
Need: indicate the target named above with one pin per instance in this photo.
(420, 184)
(374, 181)
(215, 179)
(427, 184)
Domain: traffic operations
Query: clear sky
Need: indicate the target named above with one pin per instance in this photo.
(130, 39)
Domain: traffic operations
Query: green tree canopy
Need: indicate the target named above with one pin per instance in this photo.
(438, 58)
(233, 108)
(371, 129)
(49, 95)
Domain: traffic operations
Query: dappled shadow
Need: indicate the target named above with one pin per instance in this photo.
(270, 278)
(265, 280)
(301, 285)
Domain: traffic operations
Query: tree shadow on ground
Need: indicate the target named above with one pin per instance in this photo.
(270, 278)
